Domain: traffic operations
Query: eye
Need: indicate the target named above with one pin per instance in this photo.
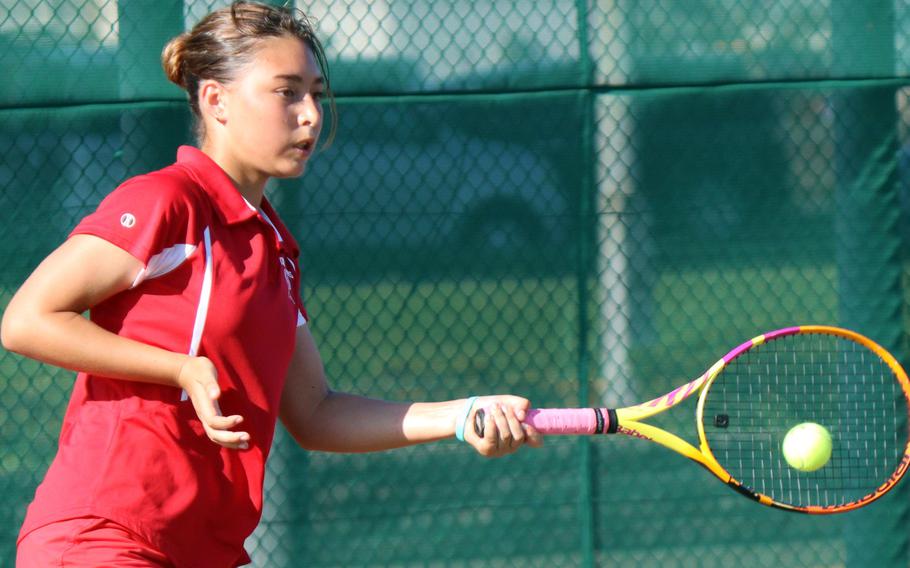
(287, 93)
(318, 96)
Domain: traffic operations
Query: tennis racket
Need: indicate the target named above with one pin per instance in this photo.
(750, 399)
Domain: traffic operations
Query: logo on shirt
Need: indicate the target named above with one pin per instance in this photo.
(128, 220)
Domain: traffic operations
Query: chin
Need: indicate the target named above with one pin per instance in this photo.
(291, 171)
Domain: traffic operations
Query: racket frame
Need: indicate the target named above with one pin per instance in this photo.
(629, 420)
(883, 354)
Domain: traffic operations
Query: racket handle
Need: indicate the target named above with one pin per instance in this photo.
(563, 421)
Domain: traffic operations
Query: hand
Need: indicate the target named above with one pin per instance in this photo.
(199, 379)
(504, 431)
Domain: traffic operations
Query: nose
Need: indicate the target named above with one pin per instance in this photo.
(310, 112)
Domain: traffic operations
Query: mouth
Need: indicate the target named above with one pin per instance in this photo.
(306, 146)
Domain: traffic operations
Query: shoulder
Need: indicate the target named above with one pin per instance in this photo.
(150, 212)
(172, 189)
(173, 183)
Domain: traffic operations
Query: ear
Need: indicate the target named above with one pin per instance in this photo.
(213, 100)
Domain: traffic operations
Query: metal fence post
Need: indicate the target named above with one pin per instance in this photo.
(868, 241)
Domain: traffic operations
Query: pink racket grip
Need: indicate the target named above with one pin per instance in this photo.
(563, 421)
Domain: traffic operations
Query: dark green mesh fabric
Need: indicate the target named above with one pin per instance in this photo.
(582, 202)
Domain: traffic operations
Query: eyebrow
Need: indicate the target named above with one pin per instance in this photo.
(299, 79)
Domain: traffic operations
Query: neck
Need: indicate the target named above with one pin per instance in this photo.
(250, 183)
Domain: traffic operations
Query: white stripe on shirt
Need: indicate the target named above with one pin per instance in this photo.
(204, 297)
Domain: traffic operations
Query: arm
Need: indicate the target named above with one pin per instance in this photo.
(322, 419)
(43, 321)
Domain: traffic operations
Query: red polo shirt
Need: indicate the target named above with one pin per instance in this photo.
(220, 280)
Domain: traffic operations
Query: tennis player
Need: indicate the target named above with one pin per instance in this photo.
(197, 341)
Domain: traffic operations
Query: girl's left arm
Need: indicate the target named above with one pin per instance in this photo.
(322, 419)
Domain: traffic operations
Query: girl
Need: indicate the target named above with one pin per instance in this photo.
(198, 341)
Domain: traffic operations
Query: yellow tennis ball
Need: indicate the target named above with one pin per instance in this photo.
(807, 446)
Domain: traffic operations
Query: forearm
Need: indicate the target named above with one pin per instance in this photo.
(348, 423)
(68, 340)
(321, 419)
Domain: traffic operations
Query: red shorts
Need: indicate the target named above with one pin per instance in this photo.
(88, 542)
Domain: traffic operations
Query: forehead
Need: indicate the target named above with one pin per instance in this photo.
(284, 56)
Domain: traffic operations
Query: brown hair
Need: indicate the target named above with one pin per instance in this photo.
(226, 39)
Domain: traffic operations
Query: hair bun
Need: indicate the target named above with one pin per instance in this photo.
(173, 60)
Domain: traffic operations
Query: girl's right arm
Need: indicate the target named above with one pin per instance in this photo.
(44, 321)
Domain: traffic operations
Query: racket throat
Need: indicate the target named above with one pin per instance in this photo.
(607, 422)
(742, 489)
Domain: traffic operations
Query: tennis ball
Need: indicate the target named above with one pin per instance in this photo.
(807, 446)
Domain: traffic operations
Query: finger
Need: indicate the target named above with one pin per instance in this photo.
(502, 425)
(229, 439)
(532, 436)
(223, 422)
(488, 445)
(515, 426)
(218, 427)
(210, 415)
(490, 433)
(519, 404)
(209, 411)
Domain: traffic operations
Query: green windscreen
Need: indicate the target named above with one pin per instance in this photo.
(579, 202)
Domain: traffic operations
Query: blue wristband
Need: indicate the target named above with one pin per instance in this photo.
(463, 417)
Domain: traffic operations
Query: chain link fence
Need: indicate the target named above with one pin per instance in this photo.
(582, 202)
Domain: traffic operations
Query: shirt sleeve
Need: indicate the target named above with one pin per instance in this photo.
(144, 216)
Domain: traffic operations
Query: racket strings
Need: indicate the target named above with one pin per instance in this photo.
(832, 381)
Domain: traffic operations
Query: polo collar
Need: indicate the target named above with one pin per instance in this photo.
(216, 183)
